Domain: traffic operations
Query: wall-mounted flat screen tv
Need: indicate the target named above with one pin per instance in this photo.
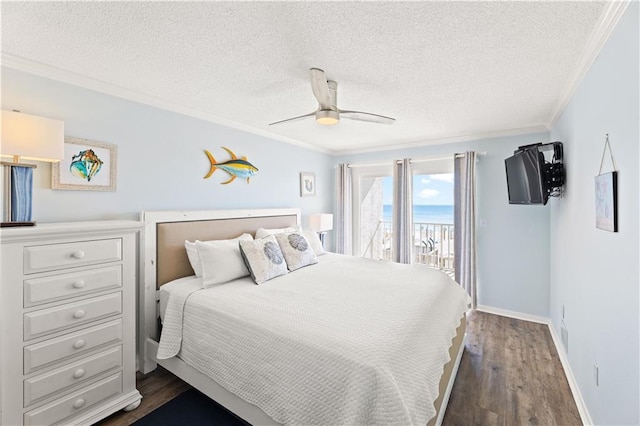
(525, 177)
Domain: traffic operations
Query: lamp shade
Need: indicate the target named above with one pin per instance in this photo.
(321, 222)
(32, 138)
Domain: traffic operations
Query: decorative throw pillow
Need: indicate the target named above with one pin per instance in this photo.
(264, 258)
(194, 257)
(261, 232)
(314, 241)
(296, 250)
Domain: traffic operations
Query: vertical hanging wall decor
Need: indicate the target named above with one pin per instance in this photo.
(606, 194)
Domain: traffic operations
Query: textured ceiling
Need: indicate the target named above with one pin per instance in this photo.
(442, 69)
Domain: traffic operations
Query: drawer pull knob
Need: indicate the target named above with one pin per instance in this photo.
(79, 284)
(79, 373)
(79, 403)
(78, 314)
(78, 344)
(77, 254)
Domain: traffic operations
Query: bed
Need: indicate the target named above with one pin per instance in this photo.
(326, 351)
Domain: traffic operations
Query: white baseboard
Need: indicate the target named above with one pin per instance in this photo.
(575, 390)
(512, 314)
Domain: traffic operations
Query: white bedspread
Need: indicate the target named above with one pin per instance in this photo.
(347, 341)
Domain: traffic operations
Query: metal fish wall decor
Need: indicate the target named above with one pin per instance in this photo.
(236, 167)
(85, 164)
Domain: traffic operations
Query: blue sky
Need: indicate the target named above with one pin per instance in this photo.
(427, 189)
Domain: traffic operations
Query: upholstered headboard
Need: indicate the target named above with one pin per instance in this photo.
(172, 261)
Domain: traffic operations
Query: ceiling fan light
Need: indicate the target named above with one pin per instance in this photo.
(327, 121)
(327, 117)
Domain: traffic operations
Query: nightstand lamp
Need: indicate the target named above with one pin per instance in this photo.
(321, 223)
(25, 137)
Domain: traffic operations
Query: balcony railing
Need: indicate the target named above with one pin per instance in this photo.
(432, 244)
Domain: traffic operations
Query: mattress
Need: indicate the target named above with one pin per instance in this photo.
(346, 341)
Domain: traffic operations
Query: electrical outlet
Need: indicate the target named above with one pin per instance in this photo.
(482, 223)
(596, 373)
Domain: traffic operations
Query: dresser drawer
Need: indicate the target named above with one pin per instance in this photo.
(75, 403)
(45, 384)
(47, 289)
(57, 256)
(53, 350)
(60, 317)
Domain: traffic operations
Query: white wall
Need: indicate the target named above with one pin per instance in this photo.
(595, 273)
(161, 162)
(513, 248)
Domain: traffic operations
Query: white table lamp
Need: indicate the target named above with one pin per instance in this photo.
(26, 137)
(321, 223)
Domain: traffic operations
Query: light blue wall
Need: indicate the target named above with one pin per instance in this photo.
(161, 162)
(594, 273)
(513, 248)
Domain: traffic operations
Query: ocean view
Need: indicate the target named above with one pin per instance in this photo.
(424, 213)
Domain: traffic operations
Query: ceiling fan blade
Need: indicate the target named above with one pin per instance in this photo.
(311, 114)
(320, 88)
(366, 116)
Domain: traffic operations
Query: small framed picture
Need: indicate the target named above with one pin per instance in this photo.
(607, 201)
(87, 166)
(307, 184)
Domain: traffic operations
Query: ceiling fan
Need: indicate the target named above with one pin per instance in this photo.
(328, 113)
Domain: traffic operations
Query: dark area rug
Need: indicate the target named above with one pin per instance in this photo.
(190, 408)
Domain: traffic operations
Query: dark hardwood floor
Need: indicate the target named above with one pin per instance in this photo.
(510, 374)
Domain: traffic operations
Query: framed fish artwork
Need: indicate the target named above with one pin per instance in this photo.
(87, 166)
(307, 184)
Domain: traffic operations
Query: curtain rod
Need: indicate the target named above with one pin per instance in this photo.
(418, 160)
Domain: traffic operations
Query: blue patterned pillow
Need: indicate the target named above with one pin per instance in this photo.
(296, 250)
(263, 258)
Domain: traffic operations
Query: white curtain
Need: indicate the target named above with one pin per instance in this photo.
(402, 223)
(464, 212)
(343, 210)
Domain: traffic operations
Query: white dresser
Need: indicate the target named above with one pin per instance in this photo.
(67, 315)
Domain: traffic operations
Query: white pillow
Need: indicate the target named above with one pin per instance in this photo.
(194, 258)
(221, 261)
(314, 241)
(263, 258)
(261, 233)
(296, 250)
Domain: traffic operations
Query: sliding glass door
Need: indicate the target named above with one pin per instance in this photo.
(433, 220)
(433, 229)
(372, 191)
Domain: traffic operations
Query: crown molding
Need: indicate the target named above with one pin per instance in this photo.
(69, 77)
(449, 140)
(599, 36)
